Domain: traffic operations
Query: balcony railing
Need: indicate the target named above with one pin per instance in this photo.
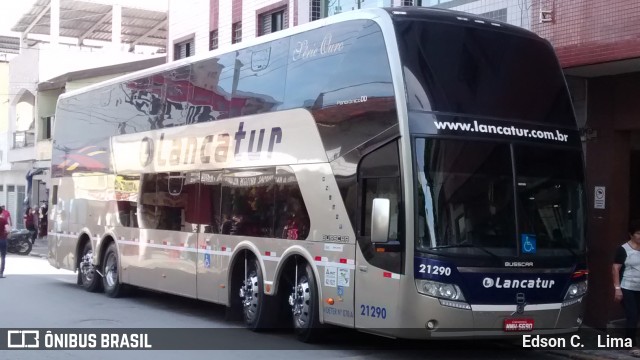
(23, 139)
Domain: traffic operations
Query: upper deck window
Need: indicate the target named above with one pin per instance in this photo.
(482, 71)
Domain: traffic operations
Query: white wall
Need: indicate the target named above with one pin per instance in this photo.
(23, 77)
(189, 18)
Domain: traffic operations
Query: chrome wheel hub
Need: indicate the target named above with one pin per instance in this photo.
(249, 292)
(299, 300)
(111, 271)
(86, 267)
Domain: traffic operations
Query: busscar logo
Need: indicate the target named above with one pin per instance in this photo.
(518, 263)
(21, 339)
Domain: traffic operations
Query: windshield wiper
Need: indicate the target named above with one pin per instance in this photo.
(467, 245)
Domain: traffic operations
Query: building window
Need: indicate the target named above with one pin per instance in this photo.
(315, 10)
(45, 128)
(499, 15)
(184, 49)
(407, 2)
(277, 21)
(272, 21)
(213, 40)
(236, 32)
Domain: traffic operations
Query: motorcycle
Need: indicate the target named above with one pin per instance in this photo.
(19, 242)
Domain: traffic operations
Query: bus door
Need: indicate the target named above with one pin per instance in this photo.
(209, 264)
(379, 265)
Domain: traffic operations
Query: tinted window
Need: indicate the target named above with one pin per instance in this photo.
(81, 136)
(212, 82)
(310, 68)
(262, 71)
(291, 218)
(178, 93)
(210, 201)
(550, 196)
(248, 202)
(378, 177)
(148, 218)
(464, 69)
(465, 196)
(177, 202)
(341, 73)
(126, 190)
(146, 96)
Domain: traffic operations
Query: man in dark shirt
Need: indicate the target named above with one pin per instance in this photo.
(4, 232)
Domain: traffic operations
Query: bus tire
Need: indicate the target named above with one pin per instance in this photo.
(255, 304)
(305, 307)
(111, 276)
(88, 277)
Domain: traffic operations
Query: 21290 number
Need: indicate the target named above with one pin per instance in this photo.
(373, 311)
(435, 270)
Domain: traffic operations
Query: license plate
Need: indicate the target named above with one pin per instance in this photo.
(518, 324)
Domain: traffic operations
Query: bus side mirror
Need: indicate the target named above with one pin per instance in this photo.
(380, 220)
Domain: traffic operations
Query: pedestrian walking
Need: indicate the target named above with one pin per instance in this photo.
(6, 215)
(626, 282)
(4, 233)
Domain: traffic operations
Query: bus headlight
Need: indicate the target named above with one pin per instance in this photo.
(440, 290)
(576, 290)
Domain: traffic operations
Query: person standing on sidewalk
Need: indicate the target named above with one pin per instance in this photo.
(4, 233)
(626, 282)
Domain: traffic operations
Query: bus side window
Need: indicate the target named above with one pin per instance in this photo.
(292, 219)
(210, 199)
(379, 177)
(147, 215)
(248, 202)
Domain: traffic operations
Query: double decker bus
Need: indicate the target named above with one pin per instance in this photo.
(410, 172)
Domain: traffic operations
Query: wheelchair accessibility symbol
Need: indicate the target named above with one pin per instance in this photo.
(528, 243)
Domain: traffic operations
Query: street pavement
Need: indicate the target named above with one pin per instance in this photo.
(40, 249)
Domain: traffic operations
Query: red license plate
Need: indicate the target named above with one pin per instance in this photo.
(518, 324)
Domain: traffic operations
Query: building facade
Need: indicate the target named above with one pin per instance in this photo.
(597, 41)
(63, 46)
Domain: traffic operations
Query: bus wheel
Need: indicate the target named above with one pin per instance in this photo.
(110, 276)
(88, 277)
(252, 296)
(304, 304)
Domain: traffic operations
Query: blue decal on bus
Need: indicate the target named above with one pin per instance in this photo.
(528, 243)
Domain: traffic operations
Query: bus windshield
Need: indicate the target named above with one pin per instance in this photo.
(482, 70)
(470, 200)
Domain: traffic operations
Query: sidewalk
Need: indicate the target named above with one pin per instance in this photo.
(40, 248)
